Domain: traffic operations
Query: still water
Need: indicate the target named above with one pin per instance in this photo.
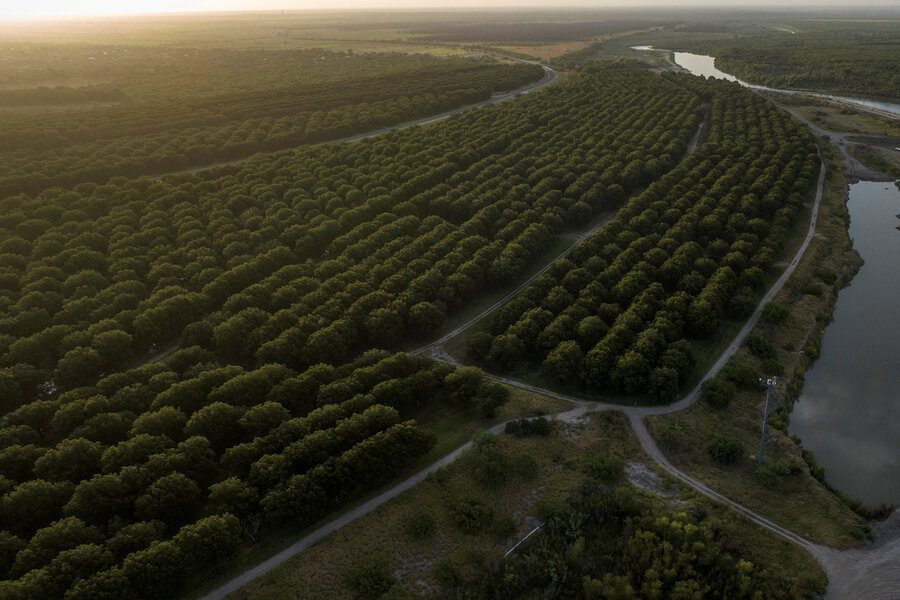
(849, 410)
(700, 64)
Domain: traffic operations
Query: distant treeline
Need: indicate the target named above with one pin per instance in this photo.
(530, 33)
(860, 62)
(64, 148)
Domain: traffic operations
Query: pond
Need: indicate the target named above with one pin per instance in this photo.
(848, 413)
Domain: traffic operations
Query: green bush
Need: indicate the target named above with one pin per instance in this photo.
(421, 525)
(525, 466)
(604, 467)
(773, 366)
(718, 392)
(473, 516)
(725, 450)
(815, 289)
(766, 476)
(774, 313)
(527, 427)
(760, 346)
(785, 466)
(741, 373)
(371, 578)
(487, 461)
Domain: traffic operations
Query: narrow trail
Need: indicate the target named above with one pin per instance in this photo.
(308, 540)
(436, 344)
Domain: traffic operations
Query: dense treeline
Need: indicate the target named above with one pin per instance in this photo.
(127, 488)
(608, 542)
(320, 253)
(530, 32)
(692, 250)
(863, 60)
(168, 132)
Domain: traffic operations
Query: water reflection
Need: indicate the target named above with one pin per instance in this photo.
(700, 64)
(848, 412)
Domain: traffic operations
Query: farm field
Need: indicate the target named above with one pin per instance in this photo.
(261, 273)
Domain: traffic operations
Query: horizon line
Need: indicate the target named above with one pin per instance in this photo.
(776, 7)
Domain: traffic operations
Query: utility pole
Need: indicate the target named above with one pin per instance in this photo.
(769, 382)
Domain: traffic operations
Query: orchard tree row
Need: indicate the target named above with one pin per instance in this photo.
(317, 254)
(166, 91)
(63, 148)
(693, 250)
(127, 488)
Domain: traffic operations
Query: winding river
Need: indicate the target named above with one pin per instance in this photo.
(848, 413)
(701, 64)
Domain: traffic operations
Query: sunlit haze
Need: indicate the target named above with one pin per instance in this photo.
(48, 9)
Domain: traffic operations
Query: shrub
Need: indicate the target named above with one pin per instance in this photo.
(785, 466)
(725, 450)
(766, 476)
(773, 366)
(473, 516)
(421, 525)
(718, 392)
(371, 578)
(488, 462)
(478, 346)
(774, 313)
(671, 435)
(829, 277)
(760, 346)
(528, 427)
(604, 467)
(526, 466)
(742, 374)
(814, 289)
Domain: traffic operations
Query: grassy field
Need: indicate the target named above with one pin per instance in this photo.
(881, 158)
(450, 426)
(838, 118)
(787, 491)
(556, 466)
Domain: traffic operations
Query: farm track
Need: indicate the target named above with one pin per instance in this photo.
(436, 345)
(549, 77)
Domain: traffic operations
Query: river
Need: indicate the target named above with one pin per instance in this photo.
(701, 64)
(848, 413)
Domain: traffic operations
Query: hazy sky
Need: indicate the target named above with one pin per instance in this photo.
(68, 8)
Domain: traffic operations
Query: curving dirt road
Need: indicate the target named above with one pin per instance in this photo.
(549, 77)
(436, 345)
(872, 572)
(352, 515)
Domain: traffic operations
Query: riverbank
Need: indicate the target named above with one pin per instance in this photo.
(789, 489)
(846, 412)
